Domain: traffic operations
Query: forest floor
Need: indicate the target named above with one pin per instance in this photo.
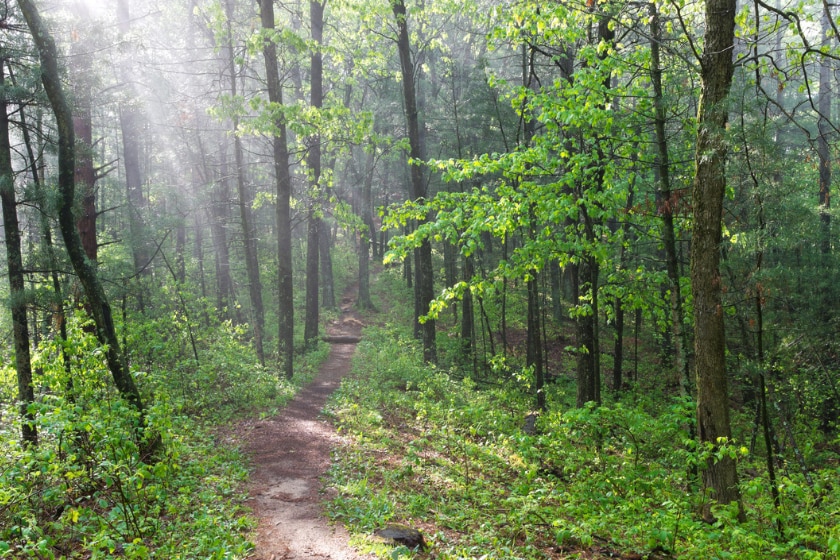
(290, 453)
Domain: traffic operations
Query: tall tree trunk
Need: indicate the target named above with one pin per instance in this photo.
(720, 477)
(249, 232)
(283, 179)
(82, 71)
(588, 269)
(824, 127)
(131, 126)
(667, 207)
(314, 221)
(424, 284)
(100, 308)
(14, 260)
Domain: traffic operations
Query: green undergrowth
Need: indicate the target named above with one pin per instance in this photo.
(450, 457)
(83, 492)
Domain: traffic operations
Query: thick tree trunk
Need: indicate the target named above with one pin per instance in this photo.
(249, 232)
(82, 64)
(14, 260)
(720, 477)
(282, 176)
(424, 282)
(99, 306)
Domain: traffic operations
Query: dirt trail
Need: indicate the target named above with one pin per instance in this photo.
(290, 453)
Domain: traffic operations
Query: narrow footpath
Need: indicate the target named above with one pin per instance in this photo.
(290, 453)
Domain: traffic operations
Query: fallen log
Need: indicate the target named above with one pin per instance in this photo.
(341, 339)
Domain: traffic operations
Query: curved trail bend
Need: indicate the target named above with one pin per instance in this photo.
(290, 453)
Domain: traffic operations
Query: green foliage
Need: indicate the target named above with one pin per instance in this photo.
(84, 492)
(435, 451)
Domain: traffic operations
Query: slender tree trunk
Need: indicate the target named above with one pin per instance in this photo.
(314, 221)
(467, 311)
(249, 231)
(666, 209)
(720, 477)
(364, 301)
(327, 279)
(100, 308)
(219, 219)
(425, 274)
(282, 176)
(14, 261)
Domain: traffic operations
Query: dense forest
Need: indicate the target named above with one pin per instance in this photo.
(592, 243)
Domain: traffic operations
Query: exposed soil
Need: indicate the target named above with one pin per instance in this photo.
(291, 452)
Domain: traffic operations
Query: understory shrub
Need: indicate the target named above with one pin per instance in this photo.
(453, 457)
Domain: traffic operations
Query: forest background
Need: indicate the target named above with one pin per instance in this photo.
(611, 219)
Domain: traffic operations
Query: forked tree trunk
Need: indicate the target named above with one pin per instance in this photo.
(720, 477)
(286, 332)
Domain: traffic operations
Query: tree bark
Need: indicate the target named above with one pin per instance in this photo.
(82, 70)
(720, 477)
(249, 233)
(314, 221)
(283, 180)
(131, 127)
(14, 260)
(667, 207)
(424, 281)
(94, 292)
(363, 301)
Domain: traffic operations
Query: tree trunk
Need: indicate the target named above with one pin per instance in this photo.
(100, 308)
(82, 70)
(282, 176)
(249, 232)
(666, 209)
(719, 477)
(327, 279)
(219, 218)
(588, 377)
(364, 301)
(131, 126)
(424, 282)
(14, 260)
(314, 222)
